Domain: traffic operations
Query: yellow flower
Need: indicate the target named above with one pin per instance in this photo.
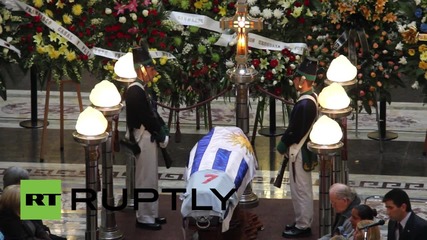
(411, 52)
(77, 9)
(67, 19)
(38, 38)
(198, 5)
(109, 66)
(48, 13)
(63, 49)
(163, 60)
(222, 11)
(40, 49)
(53, 36)
(38, 3)
(70, 55)
(422, 65)
(422, 48)
(60, 4)
(63, 40)
(297, 12)
(423, 56)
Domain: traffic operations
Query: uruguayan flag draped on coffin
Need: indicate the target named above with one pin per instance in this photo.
(222, 160)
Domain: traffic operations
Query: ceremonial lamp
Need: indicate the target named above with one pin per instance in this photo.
(325, 142)
(125, 73)
(106, 98)
(242, 76)
(334, 102)
(90, 133)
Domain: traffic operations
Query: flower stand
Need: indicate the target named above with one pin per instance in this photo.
(382, 134)
(61, 114)
(33, 122)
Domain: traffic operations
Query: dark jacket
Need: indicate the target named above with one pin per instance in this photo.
(341, 217)
(13, 228)
(415, 229)
(302, 117)
(139, 110)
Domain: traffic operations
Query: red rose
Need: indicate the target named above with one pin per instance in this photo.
(291, 58)
(151, 40)
(274, 63)
(277, 91)
(268, 75)
(162, 45)
(162, 34)
(39, 29)
(256, 62)
(286, 52)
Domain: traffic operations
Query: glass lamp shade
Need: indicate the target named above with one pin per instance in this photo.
(105, 94)
(91, 122)
(326, 131)
(341, 70)
(124, 66)
(334, 97)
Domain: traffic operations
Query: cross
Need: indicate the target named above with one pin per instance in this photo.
(242, 24)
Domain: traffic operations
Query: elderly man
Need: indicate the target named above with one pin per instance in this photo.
(14, 175)
(404, 223)
(343, 199)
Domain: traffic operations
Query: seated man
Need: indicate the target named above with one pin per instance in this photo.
(220, 165)
(14, 175)
(343, 199)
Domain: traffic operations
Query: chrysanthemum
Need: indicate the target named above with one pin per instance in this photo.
(254, 11)
(67, 19)
(267, 13)
(278, 13)
(77, 9)
(38, 3)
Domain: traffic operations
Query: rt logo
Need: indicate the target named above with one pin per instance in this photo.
(41, 199)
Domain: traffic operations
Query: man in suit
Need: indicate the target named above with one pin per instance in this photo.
(404, 224)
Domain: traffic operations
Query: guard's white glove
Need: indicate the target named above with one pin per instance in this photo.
(164, 144)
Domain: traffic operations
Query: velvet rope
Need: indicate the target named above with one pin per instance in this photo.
(177, 110)
(259, 88)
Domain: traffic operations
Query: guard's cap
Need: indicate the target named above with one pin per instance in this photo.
(141, 55)
(308, 68)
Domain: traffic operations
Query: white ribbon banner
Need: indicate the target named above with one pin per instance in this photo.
(255, 41)
(55, 27)
(10, 4)
(116, 55)
(5, 44)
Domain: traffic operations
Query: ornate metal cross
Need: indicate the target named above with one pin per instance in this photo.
(242, 23)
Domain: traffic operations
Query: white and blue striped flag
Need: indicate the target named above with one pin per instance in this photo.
(225, 149)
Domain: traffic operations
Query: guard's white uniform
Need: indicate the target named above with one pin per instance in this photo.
(301, 193)
(146, 176)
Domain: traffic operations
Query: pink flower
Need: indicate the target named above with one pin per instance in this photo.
(120, 8)
(132, 6)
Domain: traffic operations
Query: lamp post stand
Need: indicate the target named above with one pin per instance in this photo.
(108, 229)
(326, 154)
(91, 145)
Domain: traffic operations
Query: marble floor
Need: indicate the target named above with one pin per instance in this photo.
(374, 167)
